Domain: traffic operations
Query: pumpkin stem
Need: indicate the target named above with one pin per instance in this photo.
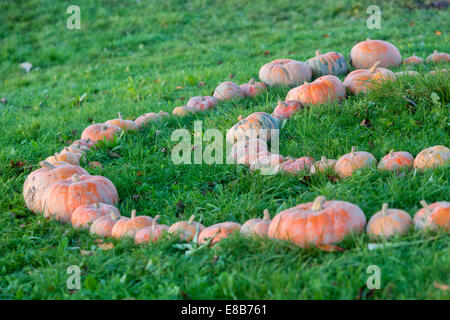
(266, 214)
(114, 216)
(317, 204)
(367, 39)
(66, 149)
(318, 53)
(323, 159)
(47, 165)
(120, 115)
(133, 213)
(252, 81)
(75, 178)
(435, 51)
(384, 209)
(240, 117)
(425, 206)
(374, 67)
(191, 219)
(155, 221)
(352, 152)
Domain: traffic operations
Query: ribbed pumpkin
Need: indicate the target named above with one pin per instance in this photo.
(151, 233)
(65, 156)
(39, 180)
(396, 160)
(218, 232)
(77, 148)
(128, 227)
(256, 125)
(85, 143)
(412, 60)
(322, 90)
(202, 103)
(285, 72)
(253, 88)
(62, 197)
(186, 230)
(85, 215)
(302, 164)
(318, 223)
(123, 123)
(150, 117)
(227, 91)
(362, 80)
(330, 63)
(247, 148)
(432, 157)
(437, 57)
(433, 217)
(355, 160)
(323, 165)
(286, 109)
(103, 226)
(100, 131)
(182, 111)
(257, 227)
(364, 54)
(389, 222)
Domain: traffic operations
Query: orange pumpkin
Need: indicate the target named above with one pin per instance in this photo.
(330, 63)
(123, 124)
(38, 181)
(65, 156)
(248, 148)
(362, 80)
(355, 160)
(151, 233)
(253, 88)
(182, 111)
(218, 232)
(257, 227)
(285, 72)
(317, 223)
(323, 90)
(389, 222)
(433, 217)
(437, 57)
(286, 109)
(186, 230)
(150, 117)
(100, 131)
(202, 103)
(128, 227)
(323, 165)
(396, 161)
(412, 60)
(256, 125)
(227, 91)
(85, 215)
(62, 197)
(432, 157)
(85, 143)
(77, 148)
(302, 164)
(364, 54)
(103, 226)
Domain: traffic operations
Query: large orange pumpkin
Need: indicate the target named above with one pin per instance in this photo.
(355, 160)
(323, 90)
(103, 226)
(150, 117)
(364, 54)
(85, 215)
(323, 165)
(432, 157)
(62, 197)
(330, 63)
(396, 161)
(412, 60)
(360, 81)
(39, 180)
(285, 72)
(317, 223)
(286, 109)
(202, 103)
(100, 131)
(434, 216)
(123, 123)
(389, 222)
(186, 230)
(257, 227)
(438, 57)
(128, 227)
(253, 88)
(151, 233)
(218, 232)
(227, 91)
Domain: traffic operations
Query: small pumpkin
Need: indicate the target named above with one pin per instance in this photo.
(150, 117)
(396, 161)
(412, 60)
(151, 233)
(360, 81)
(62, 197)
(202, 103)
(85, 215)
(302, 164)
(437, 57)
(286, 109)
(389, 222)
(267, 162)
(227, 91)
(433, 217)
(186, 230)
(65, 156)
(438, 72)
(247, 148)
(317, 223)
(182, 111)
(39, 180)
(253, 88)
(103, 226)
(256, 125)
(77, 148)
(285, 72)
(100, 131)
(323, 165)
(325, 89)
(364, 54)
(257, 227)
(355, 160)
(128, 227)
(124, 124)
(218, 232)
(85, 143)
(330, 63)
(432, 157)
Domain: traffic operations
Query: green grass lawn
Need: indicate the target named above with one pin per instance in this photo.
(143, 56)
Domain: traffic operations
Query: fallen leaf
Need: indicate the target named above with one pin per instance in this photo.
(179, 87)
(106, 246)
(366, 123)
(411, 24)
(135, 197)
(440, 286)
(98, 240)
(95, 164)
(219, 62)
(326, 35)
(112, 154)
(86, 252)
(201, 83)
(330, 248)
(231, 75)
(180, 207)
(139, 173)
(17, 164)
(266, 53)
(438, 33)
(26, 66)
(4, 101)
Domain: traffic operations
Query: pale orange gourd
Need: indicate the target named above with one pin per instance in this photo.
(432, 157)
(267, 162)
(186, 230)
(85, 215)
(285, 72)
(227, 91)
(151, 233)
(128, 227)
(150, 117)
(100, 131)
(364, 54)
(437, 57)
(412, 60)
(123, 124)
(397, 160)
(360, 81)
(323, 165)
(103, 226)
(253, 88)
(202, 103)
(257, 227)
(355, 160)
(65, 156)
(433, 217)
(247, 149)
(326, 89)
(218, 232)
(302, 164)
(286, 109)
(182, 111)
(85, 143)
(389, 222)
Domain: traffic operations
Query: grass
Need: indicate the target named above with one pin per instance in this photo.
(138, 57)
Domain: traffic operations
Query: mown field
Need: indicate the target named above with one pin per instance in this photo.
(142, 56)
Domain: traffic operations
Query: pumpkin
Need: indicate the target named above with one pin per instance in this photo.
(77, 148)
(218, 232)
(437, 57)
(355, 160)
(364, 54)
(202, 103)
(412, 60)
(438, 72)
(286, 72)
(247, 147)
(362, 80)
(256, 125)
(103, 226)
(150, 117)
(433, 217)
(317, 223)
(182, 111)
(151, 233)
(323, 165)
(227, 91)
(267, 162)
(128, 227)
(257, 227)
(65, 156)
(85, 143)
(186, 230)
(286, 109)
(85, 215)
(432, 157)
(100, 131)
(123, 124)
(406, 73)
(389, 222)
(323, 90)
(302, 164)
(38, 181)
(396, 161)
(330, 63)
(253, 88)
(62, 197)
